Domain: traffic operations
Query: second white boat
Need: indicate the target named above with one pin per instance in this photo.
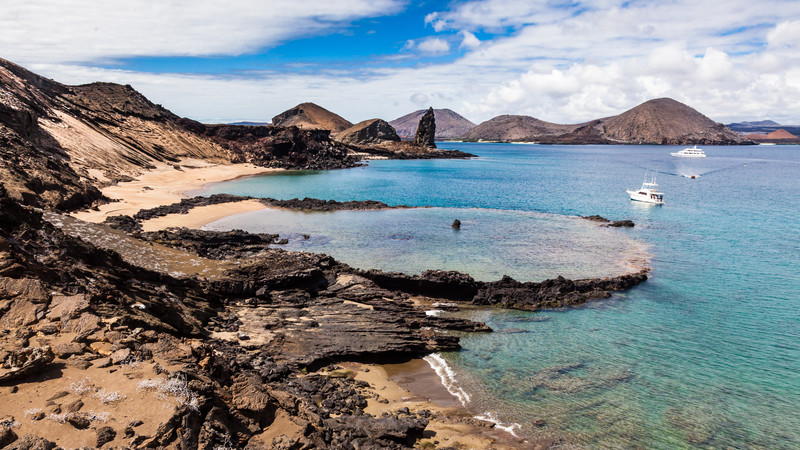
(693, 152)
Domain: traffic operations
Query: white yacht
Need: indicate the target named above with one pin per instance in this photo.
(648, 193)
(693, 152)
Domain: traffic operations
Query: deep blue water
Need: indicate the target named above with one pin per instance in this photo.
(706, 353)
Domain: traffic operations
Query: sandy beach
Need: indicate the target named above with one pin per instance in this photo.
(414, 385)
(166, 185)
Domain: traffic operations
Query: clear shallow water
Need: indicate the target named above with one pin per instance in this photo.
(525, 245)
(704, 354)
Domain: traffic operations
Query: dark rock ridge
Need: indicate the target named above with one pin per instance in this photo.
(449, 124)
(212, 244)
(408, 150)
(311, 116)
(283, 147)
(426, 130)
(377, 138)
(659, 121)
(128, 223)
(372, 131)
(507, 292)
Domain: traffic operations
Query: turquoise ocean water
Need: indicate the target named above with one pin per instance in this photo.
(705, 354)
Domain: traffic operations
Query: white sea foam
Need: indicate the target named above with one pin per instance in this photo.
(434, 312)
(492, 417)
(448, 377)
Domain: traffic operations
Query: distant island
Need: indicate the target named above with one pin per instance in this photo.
(660, 121)
(768, 132)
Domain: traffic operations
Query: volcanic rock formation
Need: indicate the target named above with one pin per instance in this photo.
(372, 131)
(426, 130)
(449, 124)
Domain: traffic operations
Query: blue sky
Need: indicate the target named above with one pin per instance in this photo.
(560, 61)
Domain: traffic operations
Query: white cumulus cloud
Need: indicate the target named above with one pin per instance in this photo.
(469, 40)
(433, 46)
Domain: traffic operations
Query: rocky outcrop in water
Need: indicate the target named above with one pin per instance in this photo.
(426, 130)
(507, 292)
(449, 124)
(607, 223)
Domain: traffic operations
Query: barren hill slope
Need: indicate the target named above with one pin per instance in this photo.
(659, 121)
(311, 116)
(59, 143)
(516, 128)
(449, 124)
(666, 121)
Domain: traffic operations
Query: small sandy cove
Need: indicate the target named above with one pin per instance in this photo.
(414, 385)
(166, 185)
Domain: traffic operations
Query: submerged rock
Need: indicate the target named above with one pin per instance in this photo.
(621, 223)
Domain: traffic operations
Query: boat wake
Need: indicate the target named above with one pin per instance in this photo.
(448, 377)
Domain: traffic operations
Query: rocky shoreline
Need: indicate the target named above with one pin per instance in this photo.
(261, 342)
(113, 336)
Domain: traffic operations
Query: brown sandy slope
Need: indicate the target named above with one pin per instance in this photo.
(106, 127)
(59, 143)
(311, 116)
